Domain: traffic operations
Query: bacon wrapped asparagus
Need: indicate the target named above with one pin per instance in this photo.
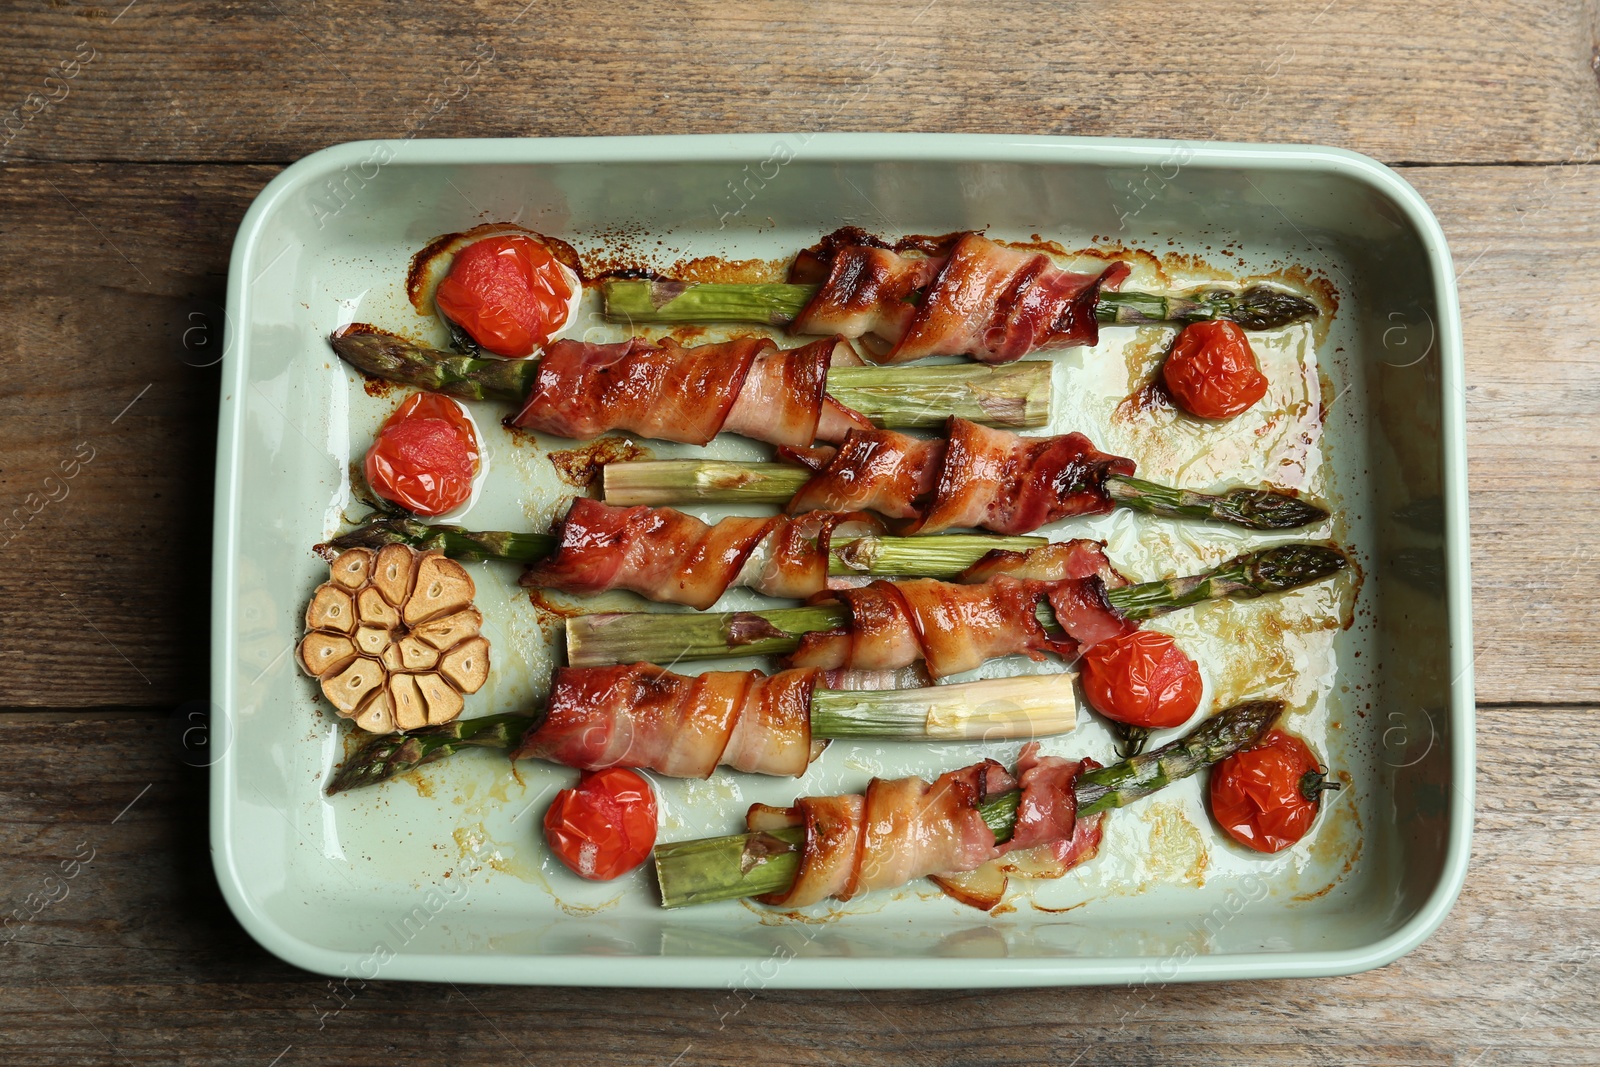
(961, 294)
(676, 393)
(675, 558)
(641, 715)
(1059, 599)
(975, 476)
(964, 830)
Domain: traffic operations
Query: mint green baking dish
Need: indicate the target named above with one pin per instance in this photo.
(444, 879)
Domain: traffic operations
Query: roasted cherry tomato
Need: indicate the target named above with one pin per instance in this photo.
(1266, 797)
(606, 826)
(1141, 678)
(509, 294)
(425, 456)
(1212, 372)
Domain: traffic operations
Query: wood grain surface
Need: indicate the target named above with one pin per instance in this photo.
(141, 132)
(191, 81)
(141, 962)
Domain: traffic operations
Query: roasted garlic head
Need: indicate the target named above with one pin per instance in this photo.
(393, 637)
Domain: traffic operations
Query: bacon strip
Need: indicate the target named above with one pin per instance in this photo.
(1011, 484)
(872, 470)
(952, 627)
(1077, 575)
(641, 715)
(962, 294)
(1045, 847)
(1078, 558)
(904, 829)
(976, 477)
(666, 391)
(675, 558)
(955, 626)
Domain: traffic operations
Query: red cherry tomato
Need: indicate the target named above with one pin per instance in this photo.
(606, 826)
(1212, 372)
(1141, 678)
(1266, 797)
(508, 293)
(425, 456)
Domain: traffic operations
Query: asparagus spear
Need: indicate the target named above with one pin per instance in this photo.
(944, 556)
(669, 637)
(457, 542)
(713, 481)
(1015, 395)
(1259, 307)
(1028, 706)
(384, 757)
(750, 864)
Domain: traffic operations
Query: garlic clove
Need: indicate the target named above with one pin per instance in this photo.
(352, 567)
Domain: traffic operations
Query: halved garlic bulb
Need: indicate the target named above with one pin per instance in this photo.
(393, 637)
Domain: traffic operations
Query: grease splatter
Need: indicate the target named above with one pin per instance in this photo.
(579, 467)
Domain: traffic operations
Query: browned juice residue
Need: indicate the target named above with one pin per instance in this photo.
(1056, 911)
(770, 916)
(733, 271)
(552, 611)
(579, 467)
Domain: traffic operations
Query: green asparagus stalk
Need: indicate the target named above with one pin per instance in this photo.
(1258, 307)
(745, 865)
(940, 556)
(944, 556)
(703, 481)
(1010, 395)
(394, 359)
(384, 757)
(457, 542)
(1253, 509)
(1015, 396)
(670, 637)
(711, 481)
(1029, 706)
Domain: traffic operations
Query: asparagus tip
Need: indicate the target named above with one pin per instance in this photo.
(368, 350)
(1265, 509)
(1291, 566)
(1264, 307)
(377, 533)
(378, 760)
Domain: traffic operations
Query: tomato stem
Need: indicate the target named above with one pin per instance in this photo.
(1314, 783)
(1132, 739)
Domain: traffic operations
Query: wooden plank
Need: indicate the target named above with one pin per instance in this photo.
(190, 81)
(113, 282)
(141, 956)
(105, 268)
(1532, 331)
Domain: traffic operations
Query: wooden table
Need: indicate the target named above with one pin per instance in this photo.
(139, 135)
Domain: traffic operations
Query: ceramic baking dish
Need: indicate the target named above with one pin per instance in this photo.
(444, 878)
